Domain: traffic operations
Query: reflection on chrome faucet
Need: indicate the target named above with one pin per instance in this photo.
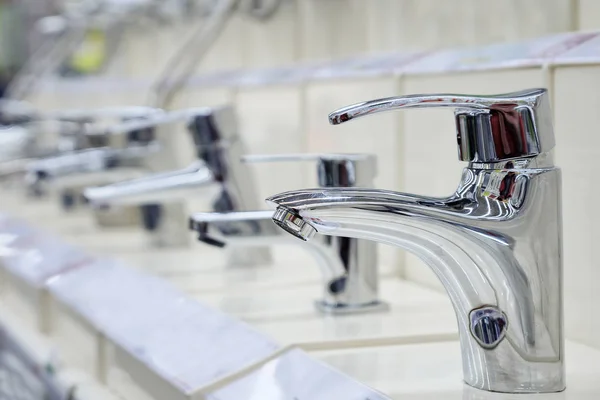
(495, 244)
(349, 265)
(80, 148)
(217, 175)
(42, 172)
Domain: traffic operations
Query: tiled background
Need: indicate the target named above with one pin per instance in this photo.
(416, 150)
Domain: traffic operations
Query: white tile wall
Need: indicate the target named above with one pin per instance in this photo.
(493, 21)
(543, 17)
(433, 24)
(331, 29)
(136, 48)
(577, 149)
(271, 122)
(77, 341)
(591, 336)
(226, 52)
(383, 36)
(428, 24)
(273, 42)
(148, 48)
(588, 14)
(499, 21)
(44, 99)
(119, 61)
(206, 97)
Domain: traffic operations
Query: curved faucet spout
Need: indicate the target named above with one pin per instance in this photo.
(349, 279)
(495, 244)
(255, 228)
(165, 187)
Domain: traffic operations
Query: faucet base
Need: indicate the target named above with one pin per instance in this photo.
(344, 309)
(513, 374)
(557, 387)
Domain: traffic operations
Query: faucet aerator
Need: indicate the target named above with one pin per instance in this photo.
(291, 222)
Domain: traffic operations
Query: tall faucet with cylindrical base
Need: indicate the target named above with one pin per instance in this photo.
(349, 265)
(495, 244)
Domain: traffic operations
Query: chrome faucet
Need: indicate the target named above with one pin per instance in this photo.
(16, 112)
(90, 147)
(495, 244)
(42, 172)
(218, 176)
(24, 133)
(31, 139)
(349, 265)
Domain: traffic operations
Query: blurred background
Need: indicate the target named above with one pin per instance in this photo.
(296, 32)
(282, 65)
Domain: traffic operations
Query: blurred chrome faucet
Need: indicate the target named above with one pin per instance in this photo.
(349, 265)
(90, 148)
(16, 112)
(496, 243)
(24, 133)
(217, 176)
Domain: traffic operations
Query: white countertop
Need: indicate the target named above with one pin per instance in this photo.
(288, 314)
(434, 371)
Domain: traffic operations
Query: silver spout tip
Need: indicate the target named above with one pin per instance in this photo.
(89, 195)
(93, 196)
(291, 222)
(339, 117)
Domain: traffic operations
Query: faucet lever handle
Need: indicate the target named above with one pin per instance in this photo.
(333, 169)
(489, 128)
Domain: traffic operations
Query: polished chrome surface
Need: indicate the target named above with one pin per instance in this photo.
(293, 224)
(82, 145)
(94, 114)
(42, 172)
(488, 128)
(349, 265)
(217, 174)
(163, 187)
(75, 129)
(219, 150)
(488, 326)
(30, 140)
(495, 244)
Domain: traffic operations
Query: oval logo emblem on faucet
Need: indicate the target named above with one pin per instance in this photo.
(488, 326)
